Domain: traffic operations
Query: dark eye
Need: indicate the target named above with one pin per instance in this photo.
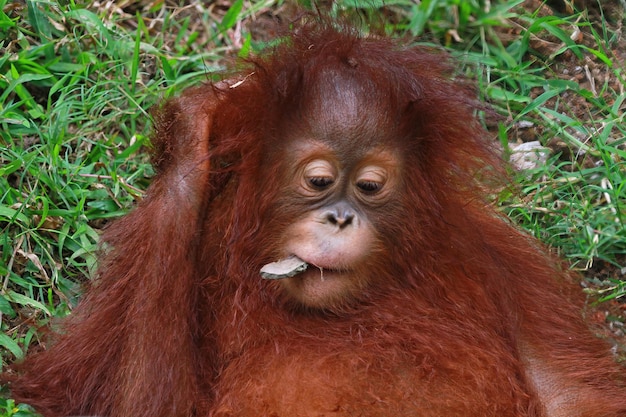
(318, 175)
(320, 182)
(371, 179)
(369, 187)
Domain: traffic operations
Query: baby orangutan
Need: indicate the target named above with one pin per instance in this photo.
(318, 242)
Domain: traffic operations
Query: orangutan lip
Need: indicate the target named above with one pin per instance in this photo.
(330, 270)
(292, 266)
(312, 264)
(322, 272)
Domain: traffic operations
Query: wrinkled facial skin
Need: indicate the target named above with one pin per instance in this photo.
(344, 192)
(343, 178)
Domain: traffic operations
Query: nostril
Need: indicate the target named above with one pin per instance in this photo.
(340, 216)
(346, 219)
(339, 220)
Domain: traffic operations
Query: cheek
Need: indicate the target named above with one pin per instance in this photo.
(330, 247)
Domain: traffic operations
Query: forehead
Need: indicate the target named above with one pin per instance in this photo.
(343, 109)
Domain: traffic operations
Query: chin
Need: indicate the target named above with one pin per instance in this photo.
(323, 289)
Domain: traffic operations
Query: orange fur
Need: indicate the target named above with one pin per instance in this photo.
(468, 316)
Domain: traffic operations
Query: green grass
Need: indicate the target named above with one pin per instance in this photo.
(77, 82)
